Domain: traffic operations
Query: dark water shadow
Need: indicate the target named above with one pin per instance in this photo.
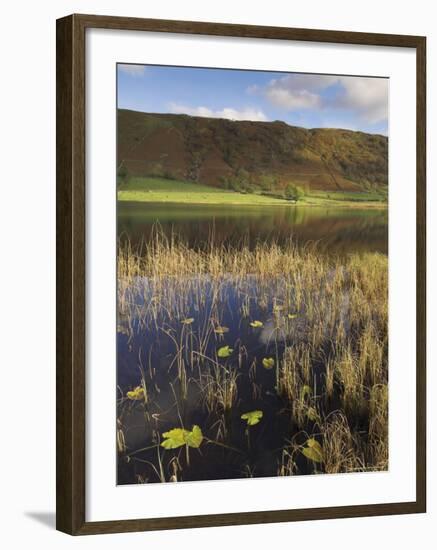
(45, 518)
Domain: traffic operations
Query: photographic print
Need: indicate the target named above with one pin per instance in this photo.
(252, 274)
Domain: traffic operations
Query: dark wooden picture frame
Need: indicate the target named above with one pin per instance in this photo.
(71, 247)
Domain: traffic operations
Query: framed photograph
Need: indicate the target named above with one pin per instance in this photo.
(240, 274)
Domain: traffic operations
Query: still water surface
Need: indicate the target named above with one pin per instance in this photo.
(336, 230)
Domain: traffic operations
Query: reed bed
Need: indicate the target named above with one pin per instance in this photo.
(320, 325)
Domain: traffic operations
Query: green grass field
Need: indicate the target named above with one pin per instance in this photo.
(164, 190)
(363, 196)
(349, 198)
(172, 191)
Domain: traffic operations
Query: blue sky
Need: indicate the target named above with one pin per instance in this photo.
(308, 100)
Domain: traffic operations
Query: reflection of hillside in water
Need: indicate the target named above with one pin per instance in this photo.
(338, 231)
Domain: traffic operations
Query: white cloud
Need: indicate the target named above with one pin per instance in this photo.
(292, 100)
(227, 112)
(132, 70)
(297, 91)
(365, 97)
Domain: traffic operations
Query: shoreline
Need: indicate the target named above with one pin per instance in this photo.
(325, 203)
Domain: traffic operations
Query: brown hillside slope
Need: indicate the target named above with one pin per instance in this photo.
(216, 151)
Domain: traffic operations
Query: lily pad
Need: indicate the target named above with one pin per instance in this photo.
(221, 330)
(136, 394)
(252, 417)
(187, 321)
(268, 363)
(313, 450)
(174, 438)
(178, 437)
(256, 324)
(224, 352)
(195, 437)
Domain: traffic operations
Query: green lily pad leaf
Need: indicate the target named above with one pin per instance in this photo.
(256, 324)
(195, 437)
(224, 352)
(187, 321)
(136, 394)
(292, 315)
(174, 438)
(268, 362)
(313, 450)
(178, 437)
(252, 417)
(221, 330)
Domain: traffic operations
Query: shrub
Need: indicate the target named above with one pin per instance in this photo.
(293, 192)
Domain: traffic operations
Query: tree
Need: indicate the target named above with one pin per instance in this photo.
(266, 182)
(234, 184)
(225, 182)
(293, 192)
(300, 193)
(242, 177)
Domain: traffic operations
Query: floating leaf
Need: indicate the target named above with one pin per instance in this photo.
(224, 352)
(292, 315)
(256, 324)
(187, 321)
(195, 437)
(136, 394)
(313, 450)
(174, 438)
(178, 437)
(221, 330)
(252, 417)
(268, 362)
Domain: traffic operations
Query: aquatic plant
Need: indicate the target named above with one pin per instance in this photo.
(329, 354)
(224, 352)
(221, 330)
(252, 417)
(313, 450)
(268, 363)
(136, 394)
(312, 414)
(188, 321)
(178, 437)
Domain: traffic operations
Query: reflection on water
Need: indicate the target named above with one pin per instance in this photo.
(337, 230)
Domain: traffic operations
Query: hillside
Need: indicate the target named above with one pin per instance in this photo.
(243, 154)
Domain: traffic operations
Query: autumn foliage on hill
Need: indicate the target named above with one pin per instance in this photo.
(247, 156)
